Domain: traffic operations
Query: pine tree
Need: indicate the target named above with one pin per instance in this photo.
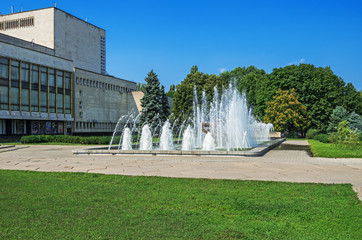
(151, 102)
(165, 106)
(355, 122)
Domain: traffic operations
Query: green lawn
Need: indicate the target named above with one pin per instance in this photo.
(36, 205)
(330, 150)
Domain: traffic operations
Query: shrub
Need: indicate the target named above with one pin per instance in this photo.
(67, 139)
(324, 138)
(311, 133)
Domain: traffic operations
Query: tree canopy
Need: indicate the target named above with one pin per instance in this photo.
(317, 88)
(184, 94)
(286, 113)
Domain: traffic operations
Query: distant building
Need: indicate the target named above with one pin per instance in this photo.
(53, 76)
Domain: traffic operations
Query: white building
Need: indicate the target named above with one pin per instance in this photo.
(53, 76)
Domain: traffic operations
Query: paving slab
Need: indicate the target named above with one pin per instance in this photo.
(284, 163)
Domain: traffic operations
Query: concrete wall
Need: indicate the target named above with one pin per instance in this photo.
(20, 52)
(78, 40)
(69, 36)
(41, 33)
(104, 99)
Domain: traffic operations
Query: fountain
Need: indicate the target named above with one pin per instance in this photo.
(127, 140)
(188, 139)
(166, 140)
(224, 126)
(146, 138)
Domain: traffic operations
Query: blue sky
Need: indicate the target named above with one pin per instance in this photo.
(171, 36)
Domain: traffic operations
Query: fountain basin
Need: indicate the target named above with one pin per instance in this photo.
(253, 152)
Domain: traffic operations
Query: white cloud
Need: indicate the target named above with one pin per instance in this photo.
(302, 60)
(221, 70)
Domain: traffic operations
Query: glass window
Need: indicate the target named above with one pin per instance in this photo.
(67, 80)
(43, 101)
(25, 99)
(4, 98)
(60, 79)
(35, 74)
(51, 77)
(67, 104)
(52, 102)
(44, 76)
(15, 99)
(25, 72)
(34, 101)
(4, 68)
(60, 103)
(15, 70)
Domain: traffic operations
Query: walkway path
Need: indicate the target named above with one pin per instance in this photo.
(277, 165)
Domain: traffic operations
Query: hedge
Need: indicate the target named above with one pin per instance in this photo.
(311, 133)
(324, 138)
(67, 139)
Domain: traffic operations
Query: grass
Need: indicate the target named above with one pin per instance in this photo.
(36, 205)
(330, 150)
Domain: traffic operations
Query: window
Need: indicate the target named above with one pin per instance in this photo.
(103, 55)
(25, 72)
(15, 99)
(67, 104)
(67, 80)
(34, 100)
(17, 23)
(59, 79)
(51, 77)
(80, 92)
(80, 104)
(80, 114)
(24, 99)
(44, 102)
(4, 68)
(44, 76)
(4, 96)
(60, 103)
(34, 74)
(15, 70)
(52, 102)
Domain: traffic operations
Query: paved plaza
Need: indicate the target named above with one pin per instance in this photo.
(289, 163)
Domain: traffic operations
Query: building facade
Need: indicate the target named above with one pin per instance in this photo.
(53, 76)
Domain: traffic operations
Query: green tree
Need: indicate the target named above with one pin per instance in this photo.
(338, 115)
(319, 89)
(140, 86)
(151, 102)
(171, 92)
(184, 94)
(164, 104)
(352, 100)
(286, 113)
(355, 122)
(252, 81)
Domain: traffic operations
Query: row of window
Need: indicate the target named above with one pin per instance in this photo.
(101, 85)
(103, 55)
(17, 23)
(29, 87)
(95, 125)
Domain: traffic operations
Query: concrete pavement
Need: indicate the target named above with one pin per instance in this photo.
(290, 162)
